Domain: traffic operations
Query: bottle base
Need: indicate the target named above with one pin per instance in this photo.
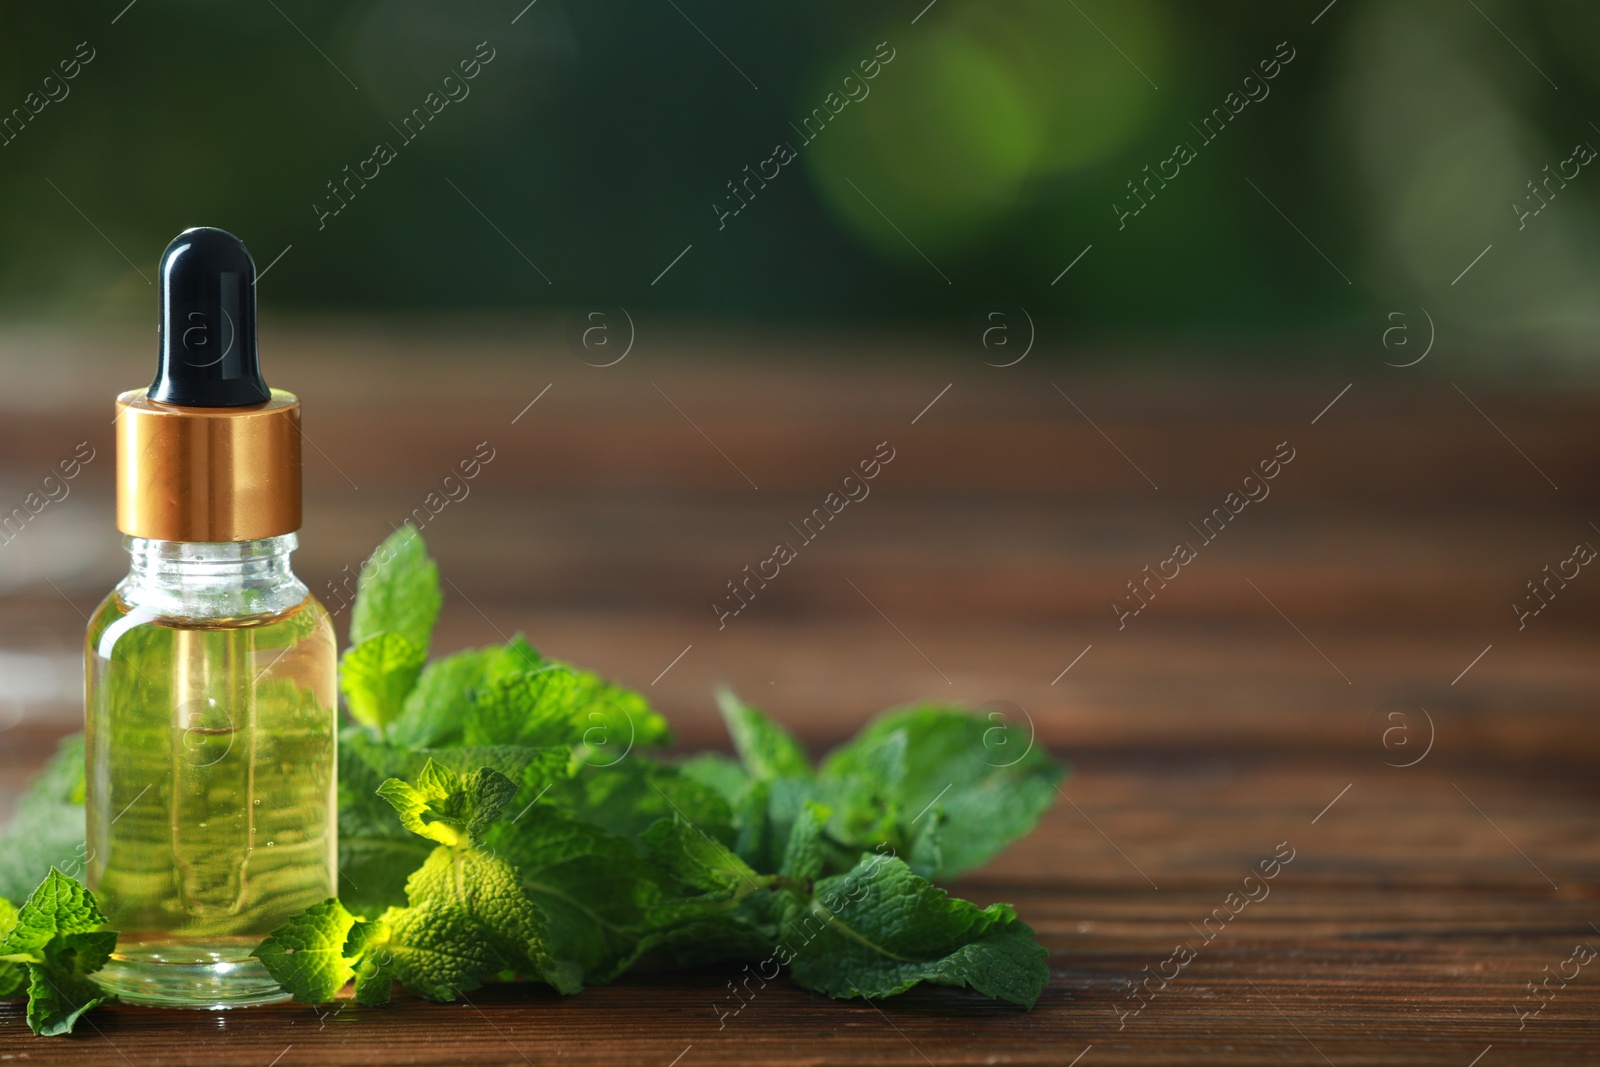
(189, 975)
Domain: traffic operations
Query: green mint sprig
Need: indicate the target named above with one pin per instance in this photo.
(54, 943)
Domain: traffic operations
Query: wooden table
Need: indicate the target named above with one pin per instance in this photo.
(1251, 705)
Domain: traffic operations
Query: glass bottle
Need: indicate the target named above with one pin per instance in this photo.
(209, 670)
(211, 766)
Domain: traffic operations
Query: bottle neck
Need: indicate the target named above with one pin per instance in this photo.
(211, 580)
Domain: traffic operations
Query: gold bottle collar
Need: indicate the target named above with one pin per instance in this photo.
(208, 474)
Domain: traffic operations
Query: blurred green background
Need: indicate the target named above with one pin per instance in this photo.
(995, 146)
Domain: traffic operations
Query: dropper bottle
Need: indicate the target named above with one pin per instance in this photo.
(210, 688)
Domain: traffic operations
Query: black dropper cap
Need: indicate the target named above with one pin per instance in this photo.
(208, 323)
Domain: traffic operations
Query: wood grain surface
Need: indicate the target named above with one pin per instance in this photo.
(1250, 707)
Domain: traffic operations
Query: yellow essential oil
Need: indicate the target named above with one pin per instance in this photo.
(210, 690)
(212, 746)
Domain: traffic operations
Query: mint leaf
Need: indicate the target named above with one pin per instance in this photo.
(363, 950)
(467, 916)
(447, 807)
(397, 601)
(591, 886)
(804, 854)
(376, 853)
(726, 776)
(608, 897)
(59, 987)
(12, 974)
(616, 722)
(531, 768)
(879, 929)
(631, 796)
(535, 706)
(766, 748)
(56, 936)
(773, 783)
(397, 592)
(699, 860)
(867, 798)
(758, 842)
(445, 693)
(315, 953)
(376, 675)
(468, 919)
(989, 781)
(510, 694)
(306, 955)
(382, 759)
(524, 699)
(47, 828)
(926, 852)
(59, 906)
